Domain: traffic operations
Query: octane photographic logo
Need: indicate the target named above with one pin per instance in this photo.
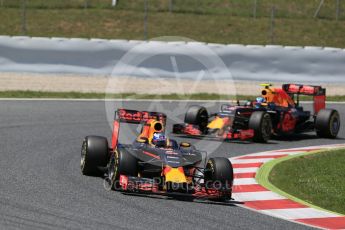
(210, 186)
(167, 65)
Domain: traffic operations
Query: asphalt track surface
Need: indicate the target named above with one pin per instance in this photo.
(41, 186)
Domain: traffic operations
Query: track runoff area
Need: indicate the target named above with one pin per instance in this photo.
(67, 121)
(259, 198)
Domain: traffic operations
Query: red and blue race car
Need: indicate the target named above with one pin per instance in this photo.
(277, 111)
(154, 163)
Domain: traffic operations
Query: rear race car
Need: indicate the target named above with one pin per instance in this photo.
(232, 122)
(155, 164)
(277, 111)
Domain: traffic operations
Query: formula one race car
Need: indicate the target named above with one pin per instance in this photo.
(155, 164)
(277, 111)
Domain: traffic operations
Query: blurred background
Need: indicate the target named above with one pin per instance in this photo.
(280, 22)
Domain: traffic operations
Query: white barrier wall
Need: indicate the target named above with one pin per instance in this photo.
(170, 59)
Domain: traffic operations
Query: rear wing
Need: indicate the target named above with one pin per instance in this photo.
(318, 93)
(137, 117)
(304, 89)
(133, 117)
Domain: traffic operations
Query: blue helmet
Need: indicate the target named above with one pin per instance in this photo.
(159, 139)
(260, 100)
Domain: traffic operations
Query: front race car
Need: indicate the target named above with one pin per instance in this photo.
(156, 166)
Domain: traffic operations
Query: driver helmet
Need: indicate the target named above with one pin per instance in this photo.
(248, 103)
(159, 139)
(260, 100)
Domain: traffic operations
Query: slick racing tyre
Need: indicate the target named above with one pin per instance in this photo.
(121, 163)
(261, 123)
(197, 115)
(94, 155)
(327, 123)
(219, 176)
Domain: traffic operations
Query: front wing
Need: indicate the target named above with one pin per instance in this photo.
(148, 186)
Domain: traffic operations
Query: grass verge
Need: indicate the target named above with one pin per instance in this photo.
(197, 96)
(216, 28)
(316, 180)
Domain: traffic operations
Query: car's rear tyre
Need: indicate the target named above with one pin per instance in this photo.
(219, 175)
(260, 122)
(94, 155)
(197, 115)
(122, 162)
(327, 123)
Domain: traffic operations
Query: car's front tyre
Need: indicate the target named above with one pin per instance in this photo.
(197, 115)
(219, 176)
(260, 122)
(121, 162)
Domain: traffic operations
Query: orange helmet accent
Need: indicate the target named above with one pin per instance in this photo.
(150, 127)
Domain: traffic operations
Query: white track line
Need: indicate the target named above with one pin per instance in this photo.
(246, 161)
(299, 213)
(255, 196)
(245, 170)
(245, 181)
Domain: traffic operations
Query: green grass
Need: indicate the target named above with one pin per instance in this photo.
(216, 21)
(40, 94)
(243, 8)
(316, 178)
(197, 96)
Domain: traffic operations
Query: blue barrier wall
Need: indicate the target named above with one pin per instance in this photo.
(169, 59)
